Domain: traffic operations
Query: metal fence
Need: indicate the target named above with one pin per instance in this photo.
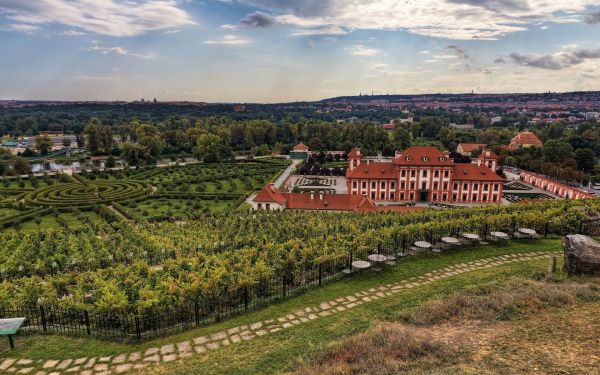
(200, 311)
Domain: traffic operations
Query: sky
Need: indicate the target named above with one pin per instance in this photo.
(288, 50)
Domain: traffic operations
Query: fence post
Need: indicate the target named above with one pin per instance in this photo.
(43, 318)
(320, 273)
(196, 312)
(87, 322)
(283, 285)
(138, 330)
(246, 298)
(546, 229)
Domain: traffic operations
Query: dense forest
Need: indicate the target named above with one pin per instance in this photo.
(142, 133)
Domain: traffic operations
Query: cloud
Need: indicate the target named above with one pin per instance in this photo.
(24, 28)
(115, 51)
(107, 17)
(229, 26)
(425, 52)
(321, 30)
(230, 40)
(258, 19)
(500, 60)
(361, 50)
(462, 52)
(450, 19)
(71, 33)
(592, 18)
(561, 60)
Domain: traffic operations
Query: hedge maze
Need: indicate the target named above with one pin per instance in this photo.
(147, 194)
(91, 193)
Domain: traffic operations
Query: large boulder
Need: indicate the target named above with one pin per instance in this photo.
(582, 255)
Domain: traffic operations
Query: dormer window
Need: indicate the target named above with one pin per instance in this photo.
(408, 158)
(424, 158)
(442, 159)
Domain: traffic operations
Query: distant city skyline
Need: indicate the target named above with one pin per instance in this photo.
(288, 50)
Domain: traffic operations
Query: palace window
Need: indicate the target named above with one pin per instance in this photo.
(268, 206)
(465, 186)
(435, 197)
(382, 195)
(424, 173)
(435, 186)
(445, 186)
(403, 173)
(484, 198)
(354, 185)
(436, 174)
(402, 185)
(455, 186)
(444, 197)
(485, 187)
(454, 196)
(446, 174)
(413, 173)
(364, 185)
(423, 185)
(401, 196)
(464, 197)
(412, 185)
(496, 186)
(474, 197)
(392, 195)
(383, 184)
(412, 196)
(475, 186)
(392, 185)
(372, 195)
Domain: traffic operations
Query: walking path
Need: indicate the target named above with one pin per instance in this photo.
(280, 180)
(125, 362)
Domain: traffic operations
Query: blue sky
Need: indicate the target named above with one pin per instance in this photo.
(284, 50)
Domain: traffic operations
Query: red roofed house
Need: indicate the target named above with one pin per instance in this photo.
(426, 174)
(468, 148)
(270, 198)
(300, 151)
(525, 139)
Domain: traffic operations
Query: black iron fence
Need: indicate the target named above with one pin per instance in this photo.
(204, 310)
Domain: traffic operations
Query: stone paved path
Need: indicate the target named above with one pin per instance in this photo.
(121, 363)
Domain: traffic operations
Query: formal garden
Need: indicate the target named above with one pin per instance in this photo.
(147, 194)
(134, 279)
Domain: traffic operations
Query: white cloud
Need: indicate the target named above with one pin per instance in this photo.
(115, 51)
(229, 26)
(321, 30)
(107, 17)
(228, 40)
(71, 33)
(425, 52)
(361, 50)
(453, 19)
(24, 28)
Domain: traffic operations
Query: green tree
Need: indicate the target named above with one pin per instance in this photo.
(208, 148)
(557, 151)
(586, 159)
(43, 144)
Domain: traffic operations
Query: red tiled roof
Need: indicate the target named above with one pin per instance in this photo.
(526, 138)
(270, 194)
(334, 202)
(389, 126)
(373, 170)
(355, 153)
(470, 147)
(488, 154)
(474, 172)
(423, 155)
(300, 147)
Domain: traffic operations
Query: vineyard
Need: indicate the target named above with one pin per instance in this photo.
(152, 194)
(167, 275)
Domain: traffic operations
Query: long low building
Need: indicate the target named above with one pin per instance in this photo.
(553, 186)
(425, 174)
(270, 198)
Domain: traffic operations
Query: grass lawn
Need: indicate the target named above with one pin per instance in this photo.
(181, 207)
(275, 352)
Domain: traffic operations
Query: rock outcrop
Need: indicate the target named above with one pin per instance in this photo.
(582, 255)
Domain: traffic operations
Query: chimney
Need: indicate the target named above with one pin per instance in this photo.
(321, 195)
(312, 195)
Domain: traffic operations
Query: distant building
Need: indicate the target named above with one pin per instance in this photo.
(468, 148)
(525, 140)
(389, 127)
(300, 152)
(495, 120)
(423, 173)
(239, 108)
(461, 126)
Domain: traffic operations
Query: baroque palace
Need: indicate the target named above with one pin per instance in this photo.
(425, 174)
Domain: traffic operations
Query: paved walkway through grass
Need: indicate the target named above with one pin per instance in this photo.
(125, 362)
